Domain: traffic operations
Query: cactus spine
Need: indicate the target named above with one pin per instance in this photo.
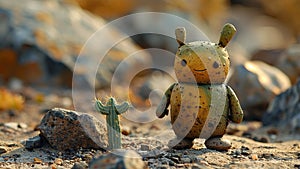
(112, 110)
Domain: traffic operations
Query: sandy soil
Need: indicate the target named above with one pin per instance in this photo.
(272, 148)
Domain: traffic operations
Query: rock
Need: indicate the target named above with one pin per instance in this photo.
(205, 12)
(271, 56)
(34, 142)
(58, 161)
(283, 111)
(284, 59)
(15, 126)
(37, 160)
(145, 147)
(258, 31)
(87, 157)
(110, 10)
(151, 154)
(245, 150)
(256, 84)
(80, 165)
(126, 159)
(68, 130)
(41, 41)
(2, 150)
(217, 143)
(254, 157)
(126, 130)
(155, 80)
(289, 62)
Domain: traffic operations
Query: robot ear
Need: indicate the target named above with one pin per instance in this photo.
(226, 34)
(180, 35)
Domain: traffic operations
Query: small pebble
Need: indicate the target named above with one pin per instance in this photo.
(22, 125)
(12, 125)
(238, 152)
(175, 159)
(2, 150)
(145, 147)
(185, 160)
(87, 157)
(34, 142)
(119, 158)
(267, 156)
(254, 157)
(264, 140)
(151, 160)
(126, 130)
(37, 160)
(245, 150)
(58, 161)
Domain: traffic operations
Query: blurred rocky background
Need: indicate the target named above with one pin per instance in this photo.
(41, 41)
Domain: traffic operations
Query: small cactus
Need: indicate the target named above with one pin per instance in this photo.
(112, 110)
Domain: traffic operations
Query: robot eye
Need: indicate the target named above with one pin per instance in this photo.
(183, 62)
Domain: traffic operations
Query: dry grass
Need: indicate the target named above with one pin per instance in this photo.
(10, 101)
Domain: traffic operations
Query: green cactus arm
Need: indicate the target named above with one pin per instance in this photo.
(236, 112)
(122, 108)
(101, 108)
(227, 33)
(162, 108)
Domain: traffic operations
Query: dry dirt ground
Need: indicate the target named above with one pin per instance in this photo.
(272, 149)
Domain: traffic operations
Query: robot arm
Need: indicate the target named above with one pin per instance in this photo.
(236, 112)
(162, 108)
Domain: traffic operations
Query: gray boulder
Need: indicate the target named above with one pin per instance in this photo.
(41, 41)
(256, 84)
(289, 62)
(284, 110)
(69, 130)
